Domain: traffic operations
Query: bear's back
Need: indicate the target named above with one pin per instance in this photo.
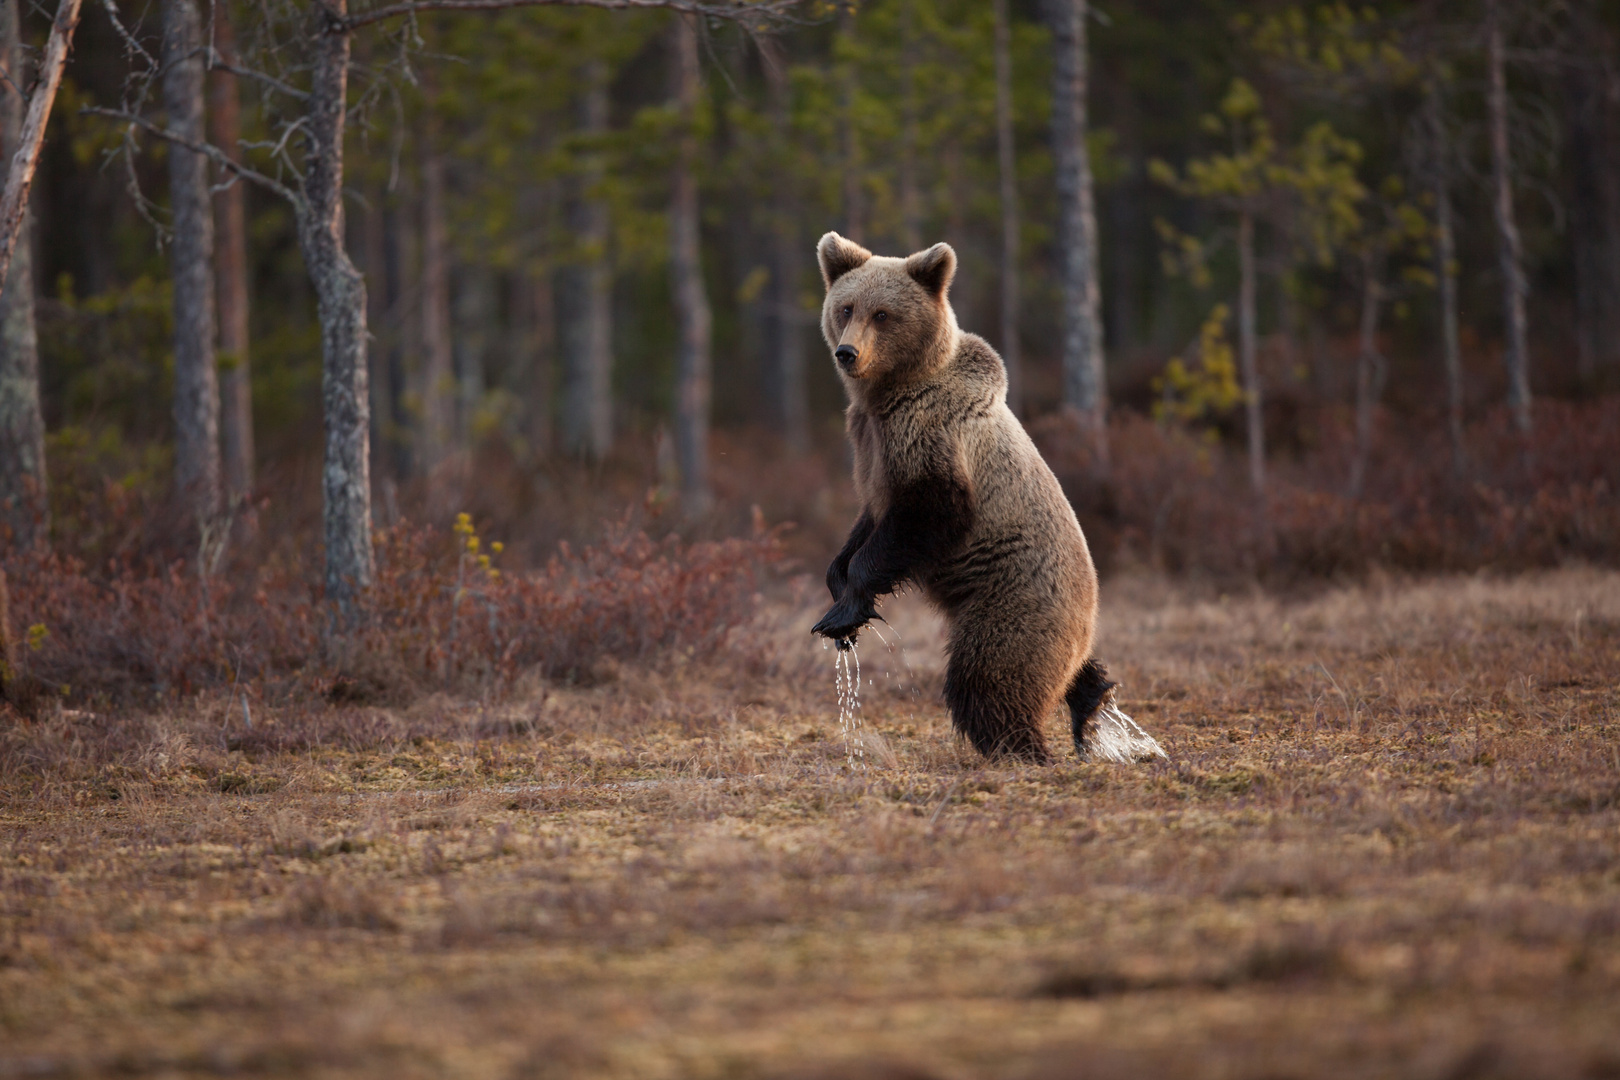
(1025, 537)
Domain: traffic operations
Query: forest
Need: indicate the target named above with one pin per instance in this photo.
(1281, 290)
(419, 455)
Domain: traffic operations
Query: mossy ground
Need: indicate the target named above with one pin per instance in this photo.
(1387, 842)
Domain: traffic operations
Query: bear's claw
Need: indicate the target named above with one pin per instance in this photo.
(844, 620)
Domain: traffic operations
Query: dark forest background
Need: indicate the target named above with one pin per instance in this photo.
(508, 200)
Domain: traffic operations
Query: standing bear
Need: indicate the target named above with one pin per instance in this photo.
(956, 500)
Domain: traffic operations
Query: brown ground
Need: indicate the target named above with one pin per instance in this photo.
(1387, 843)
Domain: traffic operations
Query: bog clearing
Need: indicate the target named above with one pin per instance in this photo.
(1387, 842)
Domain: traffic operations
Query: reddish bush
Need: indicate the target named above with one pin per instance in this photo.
(437, 617)
(1180, 503)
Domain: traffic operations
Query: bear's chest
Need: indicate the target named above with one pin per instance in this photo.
(866, 441)
(898, 449)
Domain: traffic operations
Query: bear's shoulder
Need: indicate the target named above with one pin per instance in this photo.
(976, 369)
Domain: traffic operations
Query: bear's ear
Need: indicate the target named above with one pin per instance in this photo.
(933, 269)
(838, 257)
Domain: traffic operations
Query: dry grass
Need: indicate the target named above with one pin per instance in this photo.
(1387, 843)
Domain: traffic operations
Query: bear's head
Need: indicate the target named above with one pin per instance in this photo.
(886, 319)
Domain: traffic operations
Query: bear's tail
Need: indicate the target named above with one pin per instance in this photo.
(1102, 732)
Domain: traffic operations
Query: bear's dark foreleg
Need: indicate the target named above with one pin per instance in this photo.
(1091, 684)
(838, 571)
(925, 522)
(989, 706)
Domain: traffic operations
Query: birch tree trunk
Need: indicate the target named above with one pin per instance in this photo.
(1011, 353)
(231, 272)
(24, 154)
(24, 509)
(784, 373)
(438, 377)
(340, 294)
(692, 388)
(1515, 286)
(1085, 387)
(585, 294)
(191, 256)
(1370, 373)
(1247, 354)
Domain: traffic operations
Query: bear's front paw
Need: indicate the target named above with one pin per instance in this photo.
(844, 620)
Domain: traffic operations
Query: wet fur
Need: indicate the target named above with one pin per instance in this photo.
(956, 499)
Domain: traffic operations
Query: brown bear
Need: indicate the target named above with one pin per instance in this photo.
(956, 500)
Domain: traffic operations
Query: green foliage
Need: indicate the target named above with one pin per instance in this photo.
(1190, 391)
(1337, 43)
(1312, 183)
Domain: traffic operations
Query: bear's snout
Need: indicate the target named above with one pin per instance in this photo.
(846, 355)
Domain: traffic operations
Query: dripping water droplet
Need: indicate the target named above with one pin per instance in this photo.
(847, 679)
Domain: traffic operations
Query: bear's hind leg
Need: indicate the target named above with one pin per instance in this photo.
(1101, 731)
(1091, 684)
(995, 706)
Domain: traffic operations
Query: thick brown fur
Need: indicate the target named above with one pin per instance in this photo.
(955, 499)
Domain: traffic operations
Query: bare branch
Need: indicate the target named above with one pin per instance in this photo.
(134, 46)
(278, 149)
(269, 80)
(208, 150)
(744, 12)
(132, 184)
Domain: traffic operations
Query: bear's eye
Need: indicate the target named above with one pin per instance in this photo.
(882, 316)
(848, 311)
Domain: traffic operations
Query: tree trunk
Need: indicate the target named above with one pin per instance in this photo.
(476, 319)
(1085, 387)
(1594, 224)
(24, 509)
(340, 294)
(24, 148)
(1445, 258)
(380, 385)
(535, 325)
(231, 272)
(910, 210)
(191, 256)
(692, 389)
(436, 434)
(848, 71)
(1515, 286)
(1370, 373)
(1007, 159)
(784, 374)
(394, 427)
(585, 293)
(1248, 356)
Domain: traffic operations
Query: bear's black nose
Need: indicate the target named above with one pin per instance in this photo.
(846, 356)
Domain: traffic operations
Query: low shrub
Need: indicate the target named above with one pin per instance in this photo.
(1182, 503)
(441, 615)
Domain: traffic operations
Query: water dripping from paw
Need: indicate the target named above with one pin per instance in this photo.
(847, 679)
